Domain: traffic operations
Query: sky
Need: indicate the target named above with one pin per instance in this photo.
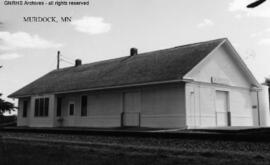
(109, 28)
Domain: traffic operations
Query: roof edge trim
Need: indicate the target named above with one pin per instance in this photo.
(243, 64)
(205, 58)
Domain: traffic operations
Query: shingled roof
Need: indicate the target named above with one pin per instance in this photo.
(152, 67)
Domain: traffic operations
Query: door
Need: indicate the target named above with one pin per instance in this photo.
(132, 109)
(222, 109)
(71, 114)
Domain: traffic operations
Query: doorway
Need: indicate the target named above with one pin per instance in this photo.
(223, 117)
(131, 109)
(70, 120)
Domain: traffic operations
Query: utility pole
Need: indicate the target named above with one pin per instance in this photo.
(58, 59)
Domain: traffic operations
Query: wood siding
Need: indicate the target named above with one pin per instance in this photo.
(219, 73)
(160, 106)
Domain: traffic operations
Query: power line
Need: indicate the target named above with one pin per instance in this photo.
(67, 58)
(66, 61)
(61, 57)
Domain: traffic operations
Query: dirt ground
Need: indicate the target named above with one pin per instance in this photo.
(23, 148)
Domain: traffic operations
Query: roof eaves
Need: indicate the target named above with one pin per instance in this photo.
(104, 88)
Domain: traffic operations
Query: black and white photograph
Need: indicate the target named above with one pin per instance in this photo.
(134, 82)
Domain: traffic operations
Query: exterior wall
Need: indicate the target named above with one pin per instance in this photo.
(42, 121)
(23, 121)
(159, 107)
(103, 110)
(203, 114)
(32, 120)
(163, 107)
(219, 72)
(264, 106)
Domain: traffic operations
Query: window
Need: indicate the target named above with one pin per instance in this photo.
(42, 107)
(59, 106)
(84, 106)
(71, 109)
(25, 105)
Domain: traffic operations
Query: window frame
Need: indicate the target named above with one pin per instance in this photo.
(42, 106)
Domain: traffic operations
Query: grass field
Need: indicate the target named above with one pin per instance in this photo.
(39, 149)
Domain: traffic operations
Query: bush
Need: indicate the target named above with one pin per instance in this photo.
(7, 119)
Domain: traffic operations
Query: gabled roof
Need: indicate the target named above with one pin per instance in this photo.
(152, 67)
(235, 57)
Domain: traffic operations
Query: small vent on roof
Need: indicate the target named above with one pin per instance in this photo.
(133, 51)
(78, 62)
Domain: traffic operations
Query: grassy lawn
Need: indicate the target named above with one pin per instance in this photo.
(16, 148)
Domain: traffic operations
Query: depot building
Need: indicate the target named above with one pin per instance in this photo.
(198, 85)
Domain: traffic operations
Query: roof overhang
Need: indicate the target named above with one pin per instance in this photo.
(104, 88)
(242, 64)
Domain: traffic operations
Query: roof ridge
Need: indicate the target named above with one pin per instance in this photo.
(186, 45)
(202, 42)
(145, 53)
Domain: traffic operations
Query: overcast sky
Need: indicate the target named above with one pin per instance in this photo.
(108, 28)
